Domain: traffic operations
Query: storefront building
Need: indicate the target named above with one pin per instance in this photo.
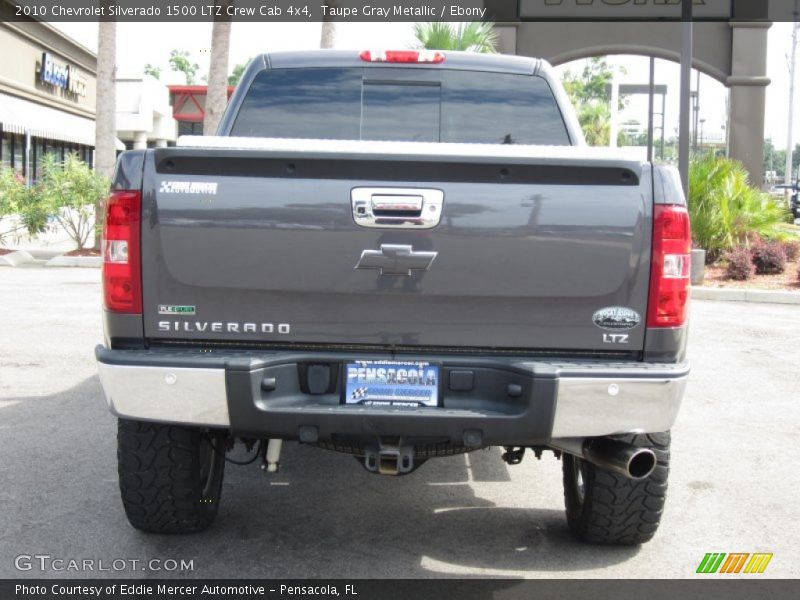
(144, 115)
(189, 107)
(47, 96)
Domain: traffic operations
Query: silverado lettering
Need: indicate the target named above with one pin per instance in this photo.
(219, 327)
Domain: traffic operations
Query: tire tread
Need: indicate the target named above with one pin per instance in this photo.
(618, 510)
(159, 470)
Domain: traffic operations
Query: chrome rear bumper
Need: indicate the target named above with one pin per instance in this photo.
(171, 395)
(559, 400)
(590, 407)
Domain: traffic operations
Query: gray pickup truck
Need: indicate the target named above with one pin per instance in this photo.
(397, 256)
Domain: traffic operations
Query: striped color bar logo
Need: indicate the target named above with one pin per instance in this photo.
(737, 562)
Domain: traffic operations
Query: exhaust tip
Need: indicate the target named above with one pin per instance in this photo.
(641, 464)
(634, 462)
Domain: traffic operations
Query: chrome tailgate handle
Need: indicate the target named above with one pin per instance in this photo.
(396, 203)
(397, 208)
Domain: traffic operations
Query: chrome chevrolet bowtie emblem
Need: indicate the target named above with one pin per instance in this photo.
(394, 259)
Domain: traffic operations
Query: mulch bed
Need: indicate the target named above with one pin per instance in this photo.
(786, 281)
(5, 251)
(83, 252)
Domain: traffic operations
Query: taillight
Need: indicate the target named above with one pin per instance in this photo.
(671, 264)
(122, 275)
(402, 56)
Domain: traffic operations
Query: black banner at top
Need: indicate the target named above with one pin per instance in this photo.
(250, 10)
(395, 10)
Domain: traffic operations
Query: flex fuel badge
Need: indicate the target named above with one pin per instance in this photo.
(175, 309)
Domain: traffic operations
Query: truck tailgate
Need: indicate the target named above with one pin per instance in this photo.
(261, 245)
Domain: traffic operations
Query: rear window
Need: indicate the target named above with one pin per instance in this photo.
(395, 104)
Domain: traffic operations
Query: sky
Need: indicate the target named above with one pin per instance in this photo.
(142, 43)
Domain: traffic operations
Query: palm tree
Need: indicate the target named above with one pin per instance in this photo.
(180, 62)
(726, 211)
(471, 37)
(217, 94)
(105, 151)
(327, 37)
(595, 120)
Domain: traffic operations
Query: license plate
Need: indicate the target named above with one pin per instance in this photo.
(391, 383)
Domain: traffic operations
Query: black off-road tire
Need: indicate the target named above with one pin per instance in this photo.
(613, 509)
(170, 476)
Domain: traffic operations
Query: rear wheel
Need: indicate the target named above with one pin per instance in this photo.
(170, 476)
(604, 507)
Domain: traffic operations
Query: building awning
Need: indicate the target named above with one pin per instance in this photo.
(23, 116)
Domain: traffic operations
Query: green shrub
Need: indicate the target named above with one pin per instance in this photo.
(18, 199)
(740, 264)
(726, 210)
(69, 191)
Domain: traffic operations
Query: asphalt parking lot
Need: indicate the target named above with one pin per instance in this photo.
(733, 486)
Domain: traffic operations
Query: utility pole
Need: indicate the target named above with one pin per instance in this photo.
(696, 110)
(614, 125)
(693, 130)
(790, 125)
(650, 100)
(702, 128)
(686, 86)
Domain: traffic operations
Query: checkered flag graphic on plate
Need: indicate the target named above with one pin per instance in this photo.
(359, 393)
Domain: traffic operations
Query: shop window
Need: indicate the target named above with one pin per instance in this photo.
(38, 146)
(54, 149)
(7, 150)
(190, 128)
(19, 153)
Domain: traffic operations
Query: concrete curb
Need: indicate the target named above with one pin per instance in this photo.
(737, 295)
(14, 259)
(75, 261)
